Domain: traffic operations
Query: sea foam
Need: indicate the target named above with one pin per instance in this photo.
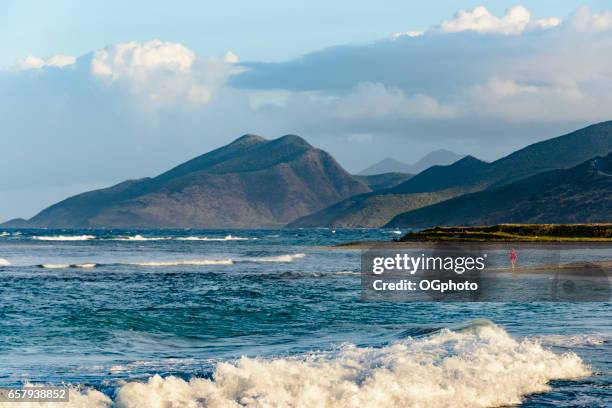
(139, 237)
(279, 258)
(481, 366)
(4, 262)
(195, 262)
(226, 238)
(476, 368)
(64, 237)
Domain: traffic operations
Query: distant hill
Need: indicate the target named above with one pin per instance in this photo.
(389, 165)
(383, 181)
(581, 194)
(252, 182)
(465, 176)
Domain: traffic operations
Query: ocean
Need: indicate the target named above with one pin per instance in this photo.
(271, 318)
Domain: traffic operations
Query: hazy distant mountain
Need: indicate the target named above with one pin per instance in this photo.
(388, 165)
(252, 182)
(582, 194)
(385, 180)
(464, 176)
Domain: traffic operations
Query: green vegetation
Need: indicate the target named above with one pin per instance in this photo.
(516, 232)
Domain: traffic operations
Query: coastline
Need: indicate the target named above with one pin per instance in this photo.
(527, 244)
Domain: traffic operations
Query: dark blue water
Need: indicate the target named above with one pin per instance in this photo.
(105, 310)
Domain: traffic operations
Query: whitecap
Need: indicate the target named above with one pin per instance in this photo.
(64, 238)
(347, 273)
(4, 262)
(573, 340)
(193, 262)
(84, 265)
(4, 234)
(54, 266)
(478, 368)
(139, 237)
(226, 238)
(280, 258)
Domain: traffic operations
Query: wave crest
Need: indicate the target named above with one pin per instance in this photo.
(483, 367)
(226, 238)
(139, 237)
(63, 237)
(279, 258)
(194, 262)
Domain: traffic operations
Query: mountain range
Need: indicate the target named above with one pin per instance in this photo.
(468, 175)
(254, 182)
(581, 194)
(389, 165)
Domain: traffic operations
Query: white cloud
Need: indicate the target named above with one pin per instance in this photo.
(163, 72)
(58, 61)
(549, 22)
(516, 20)
(584, 19)
(375, 100)
(133, 59)
(412, 34)
(230, 58)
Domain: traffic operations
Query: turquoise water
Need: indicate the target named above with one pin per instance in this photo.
(110, 310)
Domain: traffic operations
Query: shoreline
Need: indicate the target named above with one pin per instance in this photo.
(527, 244)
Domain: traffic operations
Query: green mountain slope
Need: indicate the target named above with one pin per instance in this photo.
(252, 182)
(466, 176)
(582, 194)
(384, 180)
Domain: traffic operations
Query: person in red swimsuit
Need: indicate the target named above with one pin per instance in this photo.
(513, 258)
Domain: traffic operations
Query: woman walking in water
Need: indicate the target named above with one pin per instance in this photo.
(513, 258)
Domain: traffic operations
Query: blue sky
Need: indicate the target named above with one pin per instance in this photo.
(93, 93)
(255, 30)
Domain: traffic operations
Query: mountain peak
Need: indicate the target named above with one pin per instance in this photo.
(249, 138)
(293, 140)
(469, 159)
(390, 165)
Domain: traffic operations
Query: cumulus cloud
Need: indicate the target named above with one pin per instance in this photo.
(481, 20)
(375, 100)
(58, 61)
(516, 20)
(134, 59)
(230, 58)
(163, 72)
(584, 19)
(412, 34)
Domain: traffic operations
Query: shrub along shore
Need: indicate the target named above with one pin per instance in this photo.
(515, 232)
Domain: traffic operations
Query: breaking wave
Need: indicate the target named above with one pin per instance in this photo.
(279, 258)
(64, 266)
(139, 237)
(63, 237)
(4, 262)
(226, 238)
(194, 262)
(173, 262)
(480, 367)
(574, 340)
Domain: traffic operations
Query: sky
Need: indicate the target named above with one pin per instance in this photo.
(93, 93)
